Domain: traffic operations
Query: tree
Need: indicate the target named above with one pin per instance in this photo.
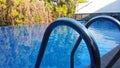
(62, 8)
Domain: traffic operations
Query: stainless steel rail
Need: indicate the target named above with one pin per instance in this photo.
(87, 25)
(84, 33)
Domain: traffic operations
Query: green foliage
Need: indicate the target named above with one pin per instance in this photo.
(63, 8)
(82, 1)
(15, 12)
(9, 12)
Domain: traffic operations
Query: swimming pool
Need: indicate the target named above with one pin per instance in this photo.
(19, 45)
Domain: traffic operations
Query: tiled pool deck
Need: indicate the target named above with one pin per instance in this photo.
(108, 57)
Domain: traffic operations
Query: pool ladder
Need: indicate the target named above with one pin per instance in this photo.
(83, 34)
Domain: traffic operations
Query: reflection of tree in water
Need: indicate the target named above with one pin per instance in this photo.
(16, 52)
(14, 48)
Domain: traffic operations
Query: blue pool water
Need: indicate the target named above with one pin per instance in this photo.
(19, 45)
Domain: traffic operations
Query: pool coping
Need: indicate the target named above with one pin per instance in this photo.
(109, 57)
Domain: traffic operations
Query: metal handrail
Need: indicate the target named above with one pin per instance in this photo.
(91, 44)
(106, 17)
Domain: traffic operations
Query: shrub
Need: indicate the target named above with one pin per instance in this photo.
(16, 12)
(62, 8)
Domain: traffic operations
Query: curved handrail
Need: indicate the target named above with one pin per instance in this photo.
(92, 46)
(106, 17)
